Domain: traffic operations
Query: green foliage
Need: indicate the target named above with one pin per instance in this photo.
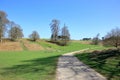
(105, 62)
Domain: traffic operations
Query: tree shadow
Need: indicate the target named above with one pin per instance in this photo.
(101, 57)
(113, 73)
(99, 60)
(44, 66)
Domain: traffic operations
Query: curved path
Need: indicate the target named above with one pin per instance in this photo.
(70, 68)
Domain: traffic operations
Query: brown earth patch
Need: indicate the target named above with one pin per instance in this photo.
(32, 46)
(10, 46)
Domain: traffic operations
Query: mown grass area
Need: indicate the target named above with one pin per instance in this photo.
(28, 65)
(35, 65)
(105, 62)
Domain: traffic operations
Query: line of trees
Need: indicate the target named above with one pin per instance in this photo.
(61, 36)
(14, 32)
(86, 39)
(57, 37)
(112, 38)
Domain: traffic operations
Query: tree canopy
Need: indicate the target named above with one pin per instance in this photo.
(34, 36)
(15, 32)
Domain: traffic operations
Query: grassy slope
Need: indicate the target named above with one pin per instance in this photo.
(73, 46)
(105, 63)
(35, 65)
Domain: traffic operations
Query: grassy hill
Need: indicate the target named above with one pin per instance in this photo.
(34, 60)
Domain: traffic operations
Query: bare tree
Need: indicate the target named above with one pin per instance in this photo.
(65, 32)
(112, 38)
(65, 35)
(15, 32)
(11, 24)
(34, 36)
(54, 29)
(3, 22)
(96, 39)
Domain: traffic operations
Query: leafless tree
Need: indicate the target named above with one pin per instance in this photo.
(34, 36)
(54, 29)
(3, 22)
(65, 36)
(112, 38)
(15, 32)
(65, 32)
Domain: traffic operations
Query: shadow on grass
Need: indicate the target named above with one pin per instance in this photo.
(106, 62)
(114, 73)
(41, 66)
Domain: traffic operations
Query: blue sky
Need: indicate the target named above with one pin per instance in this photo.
(84, 18)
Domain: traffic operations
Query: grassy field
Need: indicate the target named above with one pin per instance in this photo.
(28, 65)
(35, 65)
(105, 62)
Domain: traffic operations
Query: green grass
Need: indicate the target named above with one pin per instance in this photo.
(105, 62)
(28, 65)
(73, 46)
(35, 65)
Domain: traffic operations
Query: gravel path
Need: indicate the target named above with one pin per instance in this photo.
(70, 68)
